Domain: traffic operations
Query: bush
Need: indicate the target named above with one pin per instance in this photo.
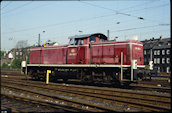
(5, 66)
(147, 67)
(27, 54)
(2, 54)
(16, 64)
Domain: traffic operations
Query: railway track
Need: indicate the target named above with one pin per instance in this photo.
(16, 103)
(152, 86)
(138, 101)
(155, 83)
(51, 97)
(10, 72)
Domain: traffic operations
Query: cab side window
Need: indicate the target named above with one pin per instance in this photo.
(102, 40)
(81, 42)
(72, 42)
(92, 39)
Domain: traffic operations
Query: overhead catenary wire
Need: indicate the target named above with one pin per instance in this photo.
(162, 5)
(126, 13)
(17, 7)
(70, 21)
(6, 5)
(150, 1)
(51, 25)
(137, 28)
(152, 31)
(117, 12)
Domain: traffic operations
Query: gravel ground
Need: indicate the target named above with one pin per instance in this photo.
(26, 106)
(120, 107)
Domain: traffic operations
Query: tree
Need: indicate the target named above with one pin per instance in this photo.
(27, 57)
(5, 66)
(21, 44)
(16, 64)
(2, 54)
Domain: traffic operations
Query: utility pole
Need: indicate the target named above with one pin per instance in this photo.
(108, 34)
(38, 39)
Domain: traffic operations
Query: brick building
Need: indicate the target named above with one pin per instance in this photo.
(159, 51)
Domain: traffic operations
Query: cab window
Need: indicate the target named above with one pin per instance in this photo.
(102, 40)
(92, 39)
(76, 42)
(72, 41)
(81, 42)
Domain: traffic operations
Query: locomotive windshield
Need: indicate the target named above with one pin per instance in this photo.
(72, 41)
(82, 39)
(75, 41)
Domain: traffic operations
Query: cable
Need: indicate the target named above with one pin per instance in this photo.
(162, 5)
(150, 8)
(85, 19)
(136, 28)
(117, 12)
(17, 8)
(157, 31)
(6, 5)
(50, 25)
(139, 5)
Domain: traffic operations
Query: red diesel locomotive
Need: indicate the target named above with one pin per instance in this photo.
(90, 58)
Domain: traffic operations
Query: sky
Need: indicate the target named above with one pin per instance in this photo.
(58, 20)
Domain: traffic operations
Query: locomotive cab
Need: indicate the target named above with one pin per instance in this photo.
(87, 39)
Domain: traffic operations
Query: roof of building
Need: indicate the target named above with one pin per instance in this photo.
(164, 43)
(159, 43)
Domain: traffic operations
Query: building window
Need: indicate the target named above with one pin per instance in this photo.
(154, 60)
(160, 44)
(17, 53)
(168, 60)
(168, 52)
(20, 53)
(163, 52)
(158, 69)
(168, 69)
(169, 43)
(158, 60)
(158, 52)
(155, 52)
(163, 60)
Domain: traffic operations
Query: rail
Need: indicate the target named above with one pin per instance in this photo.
(145, 101)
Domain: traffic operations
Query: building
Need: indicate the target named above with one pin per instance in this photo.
(158, 50)
(20, 53)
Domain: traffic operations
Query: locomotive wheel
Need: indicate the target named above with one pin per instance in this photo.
(65, 79)
(126, 84)
(35, 76)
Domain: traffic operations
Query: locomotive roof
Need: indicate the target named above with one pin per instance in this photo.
(88, 35)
